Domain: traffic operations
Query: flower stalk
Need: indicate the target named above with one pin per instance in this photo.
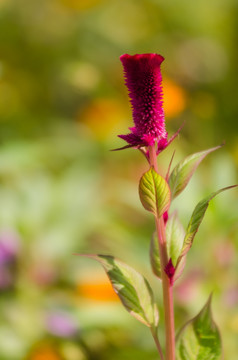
(144, 83)
(168, 250)
(166, 283)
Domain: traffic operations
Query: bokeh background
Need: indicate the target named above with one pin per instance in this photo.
(62, 191)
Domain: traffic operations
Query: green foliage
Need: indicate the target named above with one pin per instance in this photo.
(174, 237)
(200, 339)
(154, 256)
(154, 192)
(184, 170)
(132, 288)
(196, 219)
(174, 241)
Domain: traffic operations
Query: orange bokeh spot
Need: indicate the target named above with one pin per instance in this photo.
(45, 353)
(98, 291)
(174, 98)
(101, 116)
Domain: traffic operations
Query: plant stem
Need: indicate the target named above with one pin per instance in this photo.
(153, 332)
(167, 287)
(167, 293)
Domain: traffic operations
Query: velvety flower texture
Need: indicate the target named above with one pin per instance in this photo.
(144, 82)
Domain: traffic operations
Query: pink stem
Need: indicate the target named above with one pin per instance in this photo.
(167, 287)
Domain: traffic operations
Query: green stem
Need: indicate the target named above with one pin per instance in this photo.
(167, 287)
(156, 339)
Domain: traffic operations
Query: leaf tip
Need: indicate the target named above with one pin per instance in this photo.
(203, 332)
(208, 304)
(209, 301)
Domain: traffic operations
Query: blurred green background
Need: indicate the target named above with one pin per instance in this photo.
(62, 104)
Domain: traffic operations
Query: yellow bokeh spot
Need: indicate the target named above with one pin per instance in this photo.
(4, 2)
(174, 98)
(102, 116)
(81, 75)
(80, 4)
(234, 323)
(72, 351)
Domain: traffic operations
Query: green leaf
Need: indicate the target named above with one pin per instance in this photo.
(154, 192)
(154, 256)
(195, 221)
(132, 288)
(185, 169)
(199, 339)
(174, 242)
(174, 237)
(179, 268)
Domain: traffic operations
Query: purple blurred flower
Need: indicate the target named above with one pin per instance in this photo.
(144, 82)
(9, 247)
(9, 250)
(230, 296)
(61, 323)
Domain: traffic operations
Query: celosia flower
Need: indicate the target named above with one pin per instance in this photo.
(144, 82)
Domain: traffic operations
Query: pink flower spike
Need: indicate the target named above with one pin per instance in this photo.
(144, 83)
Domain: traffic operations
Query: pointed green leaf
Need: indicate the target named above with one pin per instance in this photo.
(154, 192)
(199, 339)
(179, 268)
(196, 219)
(154, 256)
(174, 237)
(185, 169)
(174, 242)
(132, 288)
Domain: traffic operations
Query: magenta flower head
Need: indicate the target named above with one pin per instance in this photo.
(144, 82)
